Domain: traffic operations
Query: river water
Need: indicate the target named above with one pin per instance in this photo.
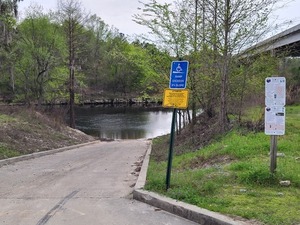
(123, 122)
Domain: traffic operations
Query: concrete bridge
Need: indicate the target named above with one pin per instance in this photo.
(286, 43)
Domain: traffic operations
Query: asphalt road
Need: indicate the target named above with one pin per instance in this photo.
(91, 185)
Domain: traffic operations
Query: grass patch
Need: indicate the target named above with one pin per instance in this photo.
(231, 175)
(6, 119)
(6, 152)
(253, 114)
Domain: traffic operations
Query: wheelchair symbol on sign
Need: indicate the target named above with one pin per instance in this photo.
(178, 68)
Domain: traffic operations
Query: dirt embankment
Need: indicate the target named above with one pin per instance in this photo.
(25, 130)
(191, 138)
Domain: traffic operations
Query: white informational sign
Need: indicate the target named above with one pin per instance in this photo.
(275, 91)
(275, 88)
(274, 120)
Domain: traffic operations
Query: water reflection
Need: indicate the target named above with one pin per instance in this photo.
(123, 122)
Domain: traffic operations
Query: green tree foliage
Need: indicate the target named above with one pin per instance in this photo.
(166, 22)
(70, 56)
(171, 25)
(69, 51)
(131, 68)
(40, 50)
(8, 14)
(158, 63)
(210, 34)
(292, 73)
(247, 82)
(96, 36)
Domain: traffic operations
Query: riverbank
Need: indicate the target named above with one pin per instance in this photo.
(231, 174)
(24, 130)
(95, 101)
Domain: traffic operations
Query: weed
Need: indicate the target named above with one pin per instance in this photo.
(6, 119)
(6, 152)
(240, 166)
(260, 176)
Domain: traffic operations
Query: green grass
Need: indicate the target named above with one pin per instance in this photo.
(6, 119)
(232, 175)
(6, 152)
(253, 114)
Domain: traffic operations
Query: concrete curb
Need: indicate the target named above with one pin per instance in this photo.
(5, 162)
(141, 181)
(187, 211)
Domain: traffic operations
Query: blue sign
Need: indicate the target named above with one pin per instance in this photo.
(178, 74)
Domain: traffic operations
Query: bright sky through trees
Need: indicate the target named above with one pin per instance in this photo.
(118, 13)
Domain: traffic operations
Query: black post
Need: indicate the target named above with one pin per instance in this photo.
(171, 149)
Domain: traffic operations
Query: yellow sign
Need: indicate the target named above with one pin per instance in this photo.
(176, 98)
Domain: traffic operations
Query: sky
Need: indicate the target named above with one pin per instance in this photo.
(118, 13)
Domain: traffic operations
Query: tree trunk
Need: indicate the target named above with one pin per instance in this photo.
(72, 71)
(72, 96)
(12, 79)
(194, 72)
(225, 70)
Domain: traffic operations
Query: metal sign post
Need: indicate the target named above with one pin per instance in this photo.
(170, 157)
(176, 97)
(275, 88)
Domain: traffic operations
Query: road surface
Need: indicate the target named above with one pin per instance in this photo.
(91, 185)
